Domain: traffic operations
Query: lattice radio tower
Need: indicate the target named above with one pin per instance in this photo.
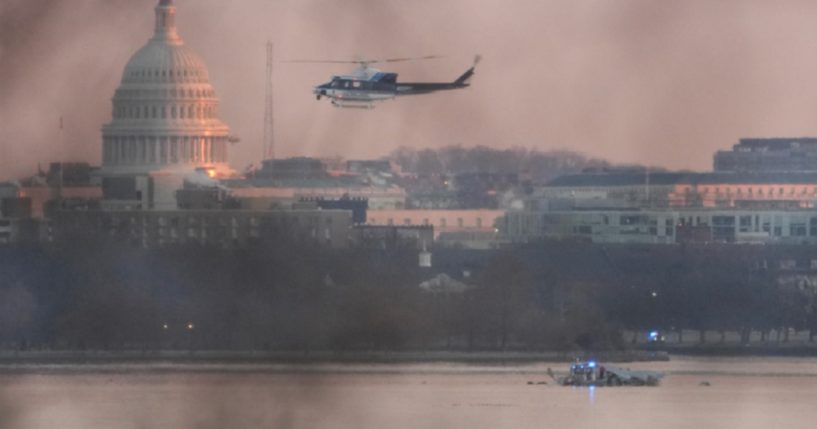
(269, 133)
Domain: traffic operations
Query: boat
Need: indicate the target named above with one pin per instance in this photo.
(591, 373)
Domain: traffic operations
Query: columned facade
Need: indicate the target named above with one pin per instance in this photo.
(165, 112)
(159, 151)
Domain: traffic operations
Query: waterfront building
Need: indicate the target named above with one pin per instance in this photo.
(222, 228)
(475, 228)
(662, 226)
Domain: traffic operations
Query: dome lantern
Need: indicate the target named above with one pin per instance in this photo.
(166, 21)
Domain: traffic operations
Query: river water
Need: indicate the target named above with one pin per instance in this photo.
(743, 393)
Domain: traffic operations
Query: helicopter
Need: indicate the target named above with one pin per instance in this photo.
(366, 85)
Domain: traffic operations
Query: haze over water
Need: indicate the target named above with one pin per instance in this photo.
(744, 393)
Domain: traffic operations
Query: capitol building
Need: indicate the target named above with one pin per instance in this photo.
(165, 113)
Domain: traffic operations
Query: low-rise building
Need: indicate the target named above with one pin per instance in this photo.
(225, 228)
(16, 223)
(787, 154)
(663, 226)
(463, 228)
(419, 237)
(785, 190)
(283, 182)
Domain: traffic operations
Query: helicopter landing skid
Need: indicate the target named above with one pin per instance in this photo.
(353, 105)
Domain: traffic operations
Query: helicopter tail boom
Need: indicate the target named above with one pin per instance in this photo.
(426, 87)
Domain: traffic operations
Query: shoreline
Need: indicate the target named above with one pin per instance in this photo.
(499, 358)
(45, 357)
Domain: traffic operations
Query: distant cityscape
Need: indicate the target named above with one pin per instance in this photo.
(538, 241)
(165, 179)
(762, 191)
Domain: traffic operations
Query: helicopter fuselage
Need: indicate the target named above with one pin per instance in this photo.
(350, 89)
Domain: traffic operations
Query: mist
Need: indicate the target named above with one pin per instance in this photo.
(632, 81)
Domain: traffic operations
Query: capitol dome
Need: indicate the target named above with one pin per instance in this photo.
(165, 110)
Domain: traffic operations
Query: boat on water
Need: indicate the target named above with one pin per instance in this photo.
(591, 373)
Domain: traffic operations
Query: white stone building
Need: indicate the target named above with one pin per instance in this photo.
(165, 127)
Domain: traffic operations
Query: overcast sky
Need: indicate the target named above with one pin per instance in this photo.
(633, 81)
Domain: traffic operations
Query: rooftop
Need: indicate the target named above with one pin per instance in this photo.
(672, 178)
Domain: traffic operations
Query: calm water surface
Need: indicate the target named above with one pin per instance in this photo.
(744, 393)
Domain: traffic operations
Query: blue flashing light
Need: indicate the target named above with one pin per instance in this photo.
(591, 364)
(654, 335)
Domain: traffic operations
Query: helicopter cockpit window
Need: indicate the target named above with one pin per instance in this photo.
(335, 83)
(346, 84)
(356, 84)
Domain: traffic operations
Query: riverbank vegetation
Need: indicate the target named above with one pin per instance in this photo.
(549, 296)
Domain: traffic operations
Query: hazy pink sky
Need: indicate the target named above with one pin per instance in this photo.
(633, 81)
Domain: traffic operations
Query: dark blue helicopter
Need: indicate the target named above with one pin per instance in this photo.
(365, 85)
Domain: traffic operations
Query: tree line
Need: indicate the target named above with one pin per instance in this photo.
(93, 294)
(539, 166)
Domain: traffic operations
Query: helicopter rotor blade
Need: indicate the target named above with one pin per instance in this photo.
(367, 61)
(327, 61)
(397, 60)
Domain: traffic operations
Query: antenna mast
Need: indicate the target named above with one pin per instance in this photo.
(269, 135)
